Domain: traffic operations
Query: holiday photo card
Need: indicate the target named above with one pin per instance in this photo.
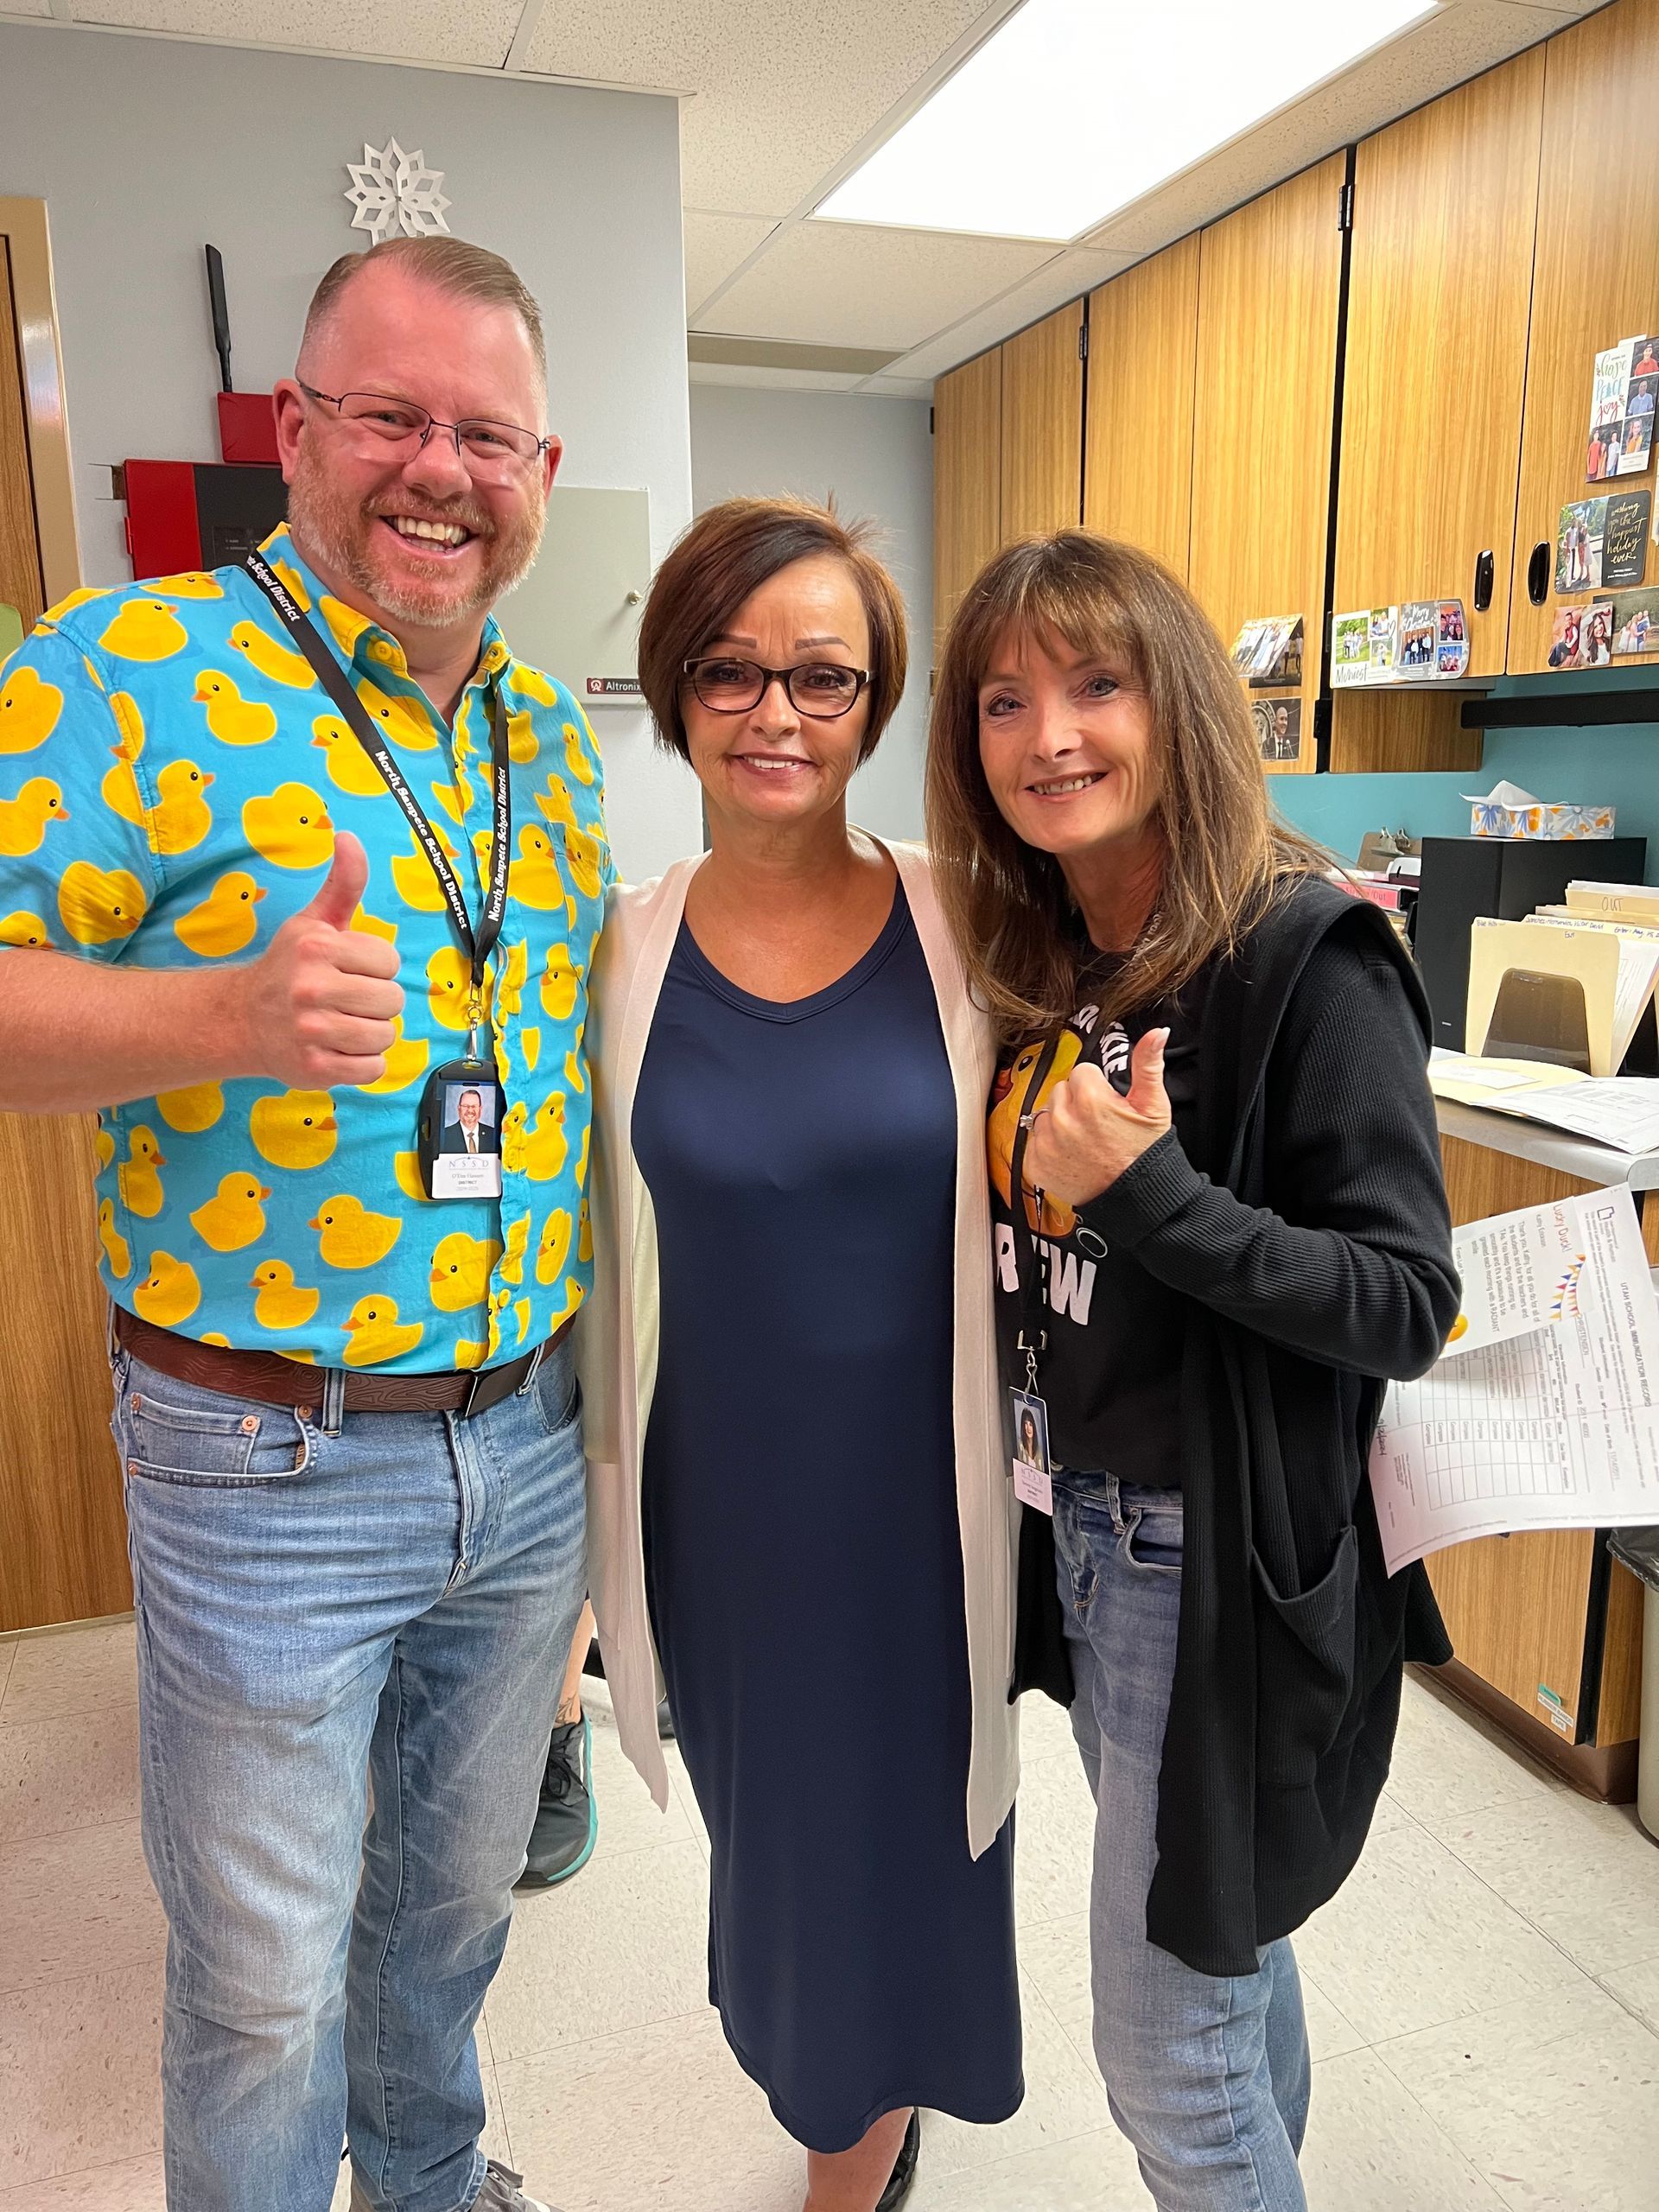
(1622, 404)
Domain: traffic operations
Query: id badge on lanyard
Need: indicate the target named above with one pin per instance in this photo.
(1033, 1475)
(458, 1136)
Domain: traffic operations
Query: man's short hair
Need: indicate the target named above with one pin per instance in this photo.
(451, 265)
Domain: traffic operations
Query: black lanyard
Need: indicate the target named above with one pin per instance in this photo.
(477, 943)
(1032, 1340)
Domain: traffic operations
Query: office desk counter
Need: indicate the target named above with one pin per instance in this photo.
(1548, 1636)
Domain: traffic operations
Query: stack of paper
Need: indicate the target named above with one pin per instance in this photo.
(1637, 976)
(1626, 902)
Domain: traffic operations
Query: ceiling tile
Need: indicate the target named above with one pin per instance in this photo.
(24, 8)
(1069, 274)
(774, 379)
(861, 285)
(416, 31)
(1458, 43)
(715, 246)
(781, 95)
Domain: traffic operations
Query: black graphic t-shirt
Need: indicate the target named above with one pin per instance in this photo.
(1111, 1375)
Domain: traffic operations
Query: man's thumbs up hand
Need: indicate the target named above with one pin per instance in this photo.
(320, 1002)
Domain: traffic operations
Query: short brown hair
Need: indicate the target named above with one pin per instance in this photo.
(1225, 852)
(451, 265)
(722, 560)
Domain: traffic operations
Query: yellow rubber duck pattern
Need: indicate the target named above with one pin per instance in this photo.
(172, 777)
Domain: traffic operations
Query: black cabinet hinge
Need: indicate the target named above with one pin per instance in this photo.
(1083, 341)
(1346, 208)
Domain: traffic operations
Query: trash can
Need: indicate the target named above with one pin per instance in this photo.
(1638, 1549)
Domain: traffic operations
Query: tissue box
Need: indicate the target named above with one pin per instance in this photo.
(1491, 818)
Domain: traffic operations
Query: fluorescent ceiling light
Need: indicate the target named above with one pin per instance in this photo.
(1074, 108)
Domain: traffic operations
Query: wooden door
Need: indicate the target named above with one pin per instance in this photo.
(63, 1534)
(1269, 292)
(1439, 282)
(967, 481)
(1595, 278)
(21, 584)
(1042, 425)
(1137, 466)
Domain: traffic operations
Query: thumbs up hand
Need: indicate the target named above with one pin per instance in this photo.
(318, 1005)
(1086, 1135)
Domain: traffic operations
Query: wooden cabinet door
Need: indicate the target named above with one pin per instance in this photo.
(1042, 425)
(1269, 293)
(1595, 278)
(1441, 276)
(1137, 463)
(967, 481)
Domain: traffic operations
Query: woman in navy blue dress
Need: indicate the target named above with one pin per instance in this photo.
(815, 1537)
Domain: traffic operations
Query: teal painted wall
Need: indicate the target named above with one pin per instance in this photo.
(1615, 766)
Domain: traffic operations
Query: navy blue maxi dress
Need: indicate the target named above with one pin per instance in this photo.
(804, 1557)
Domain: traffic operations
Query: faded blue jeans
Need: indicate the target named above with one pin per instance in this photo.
(1207, 2075)
(374, 1625)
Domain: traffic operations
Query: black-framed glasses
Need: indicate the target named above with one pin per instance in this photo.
(488, 448)
(822, 687)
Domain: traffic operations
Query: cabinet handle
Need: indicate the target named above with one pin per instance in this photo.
(1538, 573)
(1486, 571)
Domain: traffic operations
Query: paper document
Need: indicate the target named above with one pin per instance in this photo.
(1622, 1110)
(1543, 1413)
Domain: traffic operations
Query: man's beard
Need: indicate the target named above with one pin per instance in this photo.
(328, 522)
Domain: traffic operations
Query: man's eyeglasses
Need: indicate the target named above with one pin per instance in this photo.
(497, 450)
(822, 687)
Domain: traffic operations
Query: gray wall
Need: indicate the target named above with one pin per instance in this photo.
(877, 457)
(144, 150)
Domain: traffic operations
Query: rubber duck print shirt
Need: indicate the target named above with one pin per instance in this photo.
(171, 779)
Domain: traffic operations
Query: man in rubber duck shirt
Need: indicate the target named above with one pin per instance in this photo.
(354, 1468)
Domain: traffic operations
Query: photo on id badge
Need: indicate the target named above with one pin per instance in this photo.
(468, 1163)
(1032, 1477)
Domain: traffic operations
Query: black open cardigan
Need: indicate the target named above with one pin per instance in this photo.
(1308, 1232)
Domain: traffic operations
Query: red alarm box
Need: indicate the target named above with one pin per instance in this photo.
(198, 514)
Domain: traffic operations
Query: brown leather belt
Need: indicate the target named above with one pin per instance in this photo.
(271, 1380)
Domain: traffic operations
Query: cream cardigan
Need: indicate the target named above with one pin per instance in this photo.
(616, 1339)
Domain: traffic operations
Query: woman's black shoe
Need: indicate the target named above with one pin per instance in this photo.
(904, 2172)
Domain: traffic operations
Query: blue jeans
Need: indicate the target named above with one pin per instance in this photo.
(1207, 2075)
(350, 1648)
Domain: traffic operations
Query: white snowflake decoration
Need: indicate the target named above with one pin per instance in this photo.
(395, 191)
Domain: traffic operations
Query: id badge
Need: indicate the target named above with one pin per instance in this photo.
(1033, 1482)
(458, 1142)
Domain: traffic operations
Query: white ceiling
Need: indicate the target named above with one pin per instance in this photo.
(781, 99)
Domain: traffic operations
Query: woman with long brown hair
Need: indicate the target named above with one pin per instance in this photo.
(1219, 1226)
(795, 1496)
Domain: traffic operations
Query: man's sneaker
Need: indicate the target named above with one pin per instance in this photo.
(503, 2191)
(567, 1818)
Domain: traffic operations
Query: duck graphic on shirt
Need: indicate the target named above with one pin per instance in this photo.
(1108, 1050)
(1010, 1101)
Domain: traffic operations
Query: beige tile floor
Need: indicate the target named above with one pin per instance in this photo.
(1483, 1997)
